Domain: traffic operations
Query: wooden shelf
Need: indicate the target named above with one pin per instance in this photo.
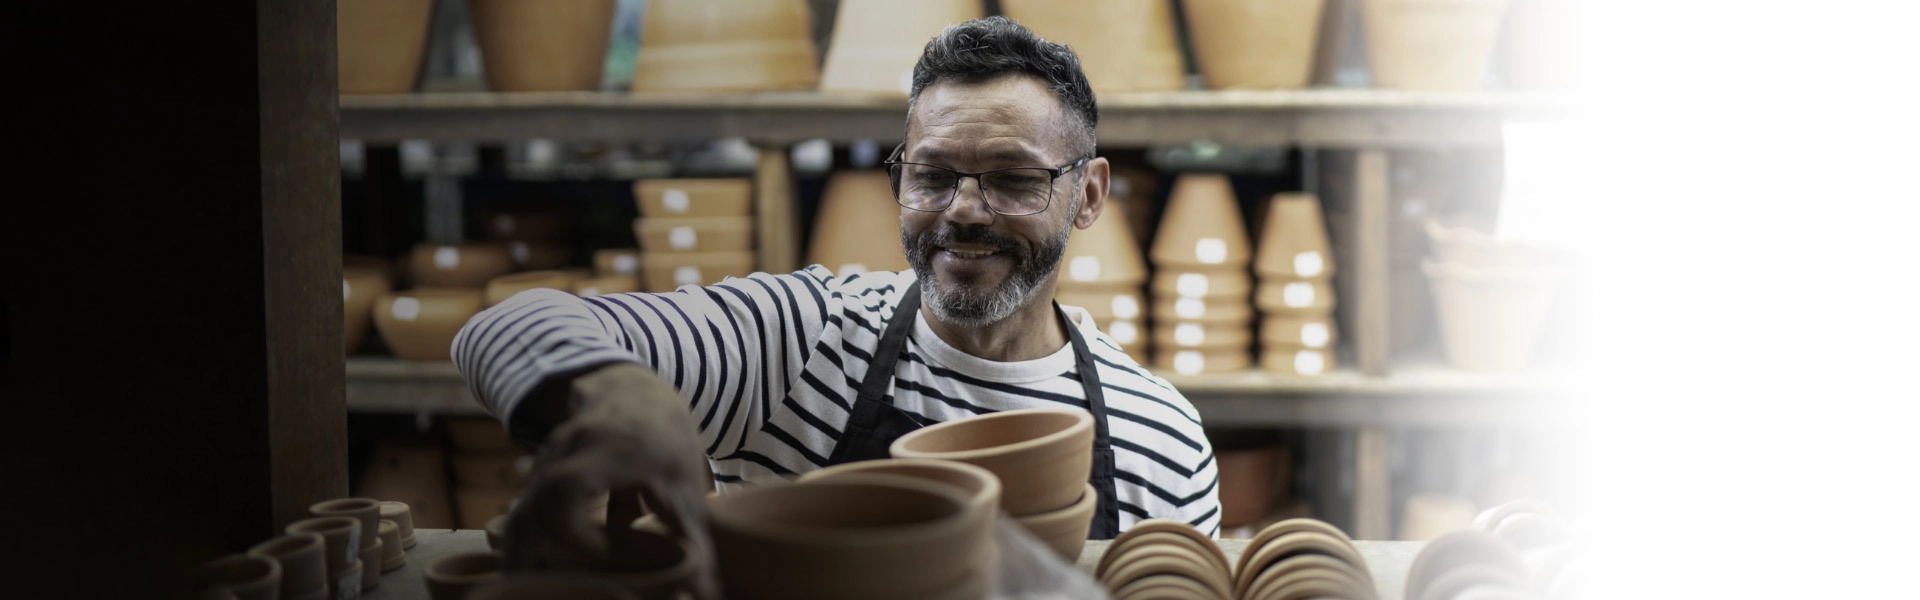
(1333, 118)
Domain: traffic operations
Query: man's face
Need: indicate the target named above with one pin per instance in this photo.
(976, 266)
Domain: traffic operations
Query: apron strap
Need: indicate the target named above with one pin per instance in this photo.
(893, 342)
(1106, 517)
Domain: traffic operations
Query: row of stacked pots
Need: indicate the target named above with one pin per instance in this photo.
(338, 553)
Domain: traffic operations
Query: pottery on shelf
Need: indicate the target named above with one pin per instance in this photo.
(1312, 333)
(1041, 456)
(664, 198)
(855, 209)
(450, 577)
(1491, 319)
(1288, 359)
(1188, 335)
(364, 510)
(694, 234)
(381, 44)
(467, 265)
(1430, 46)
(877, 42)
(302, 559)
(667, 271)
(1293, 242)
(1198, 361)
(1123, 45)
(499, 289)
(1203, 309)
(542, 46)
(1202, 226)
(358, 289)
(1294, 298)
(528, 226)
(1195, 282)
(617, 261)
(1246, 482)
(342, 538)
(393, 547)
(1106, 306)
(1104, 254)
(1254, 44)
(421, 324)
(725, 45)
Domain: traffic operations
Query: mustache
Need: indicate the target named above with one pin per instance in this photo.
(970, 234)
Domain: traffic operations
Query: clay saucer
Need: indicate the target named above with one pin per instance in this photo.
(1151, 526)
(1275, 530)
(1153, 539)
(1306, 589)
(1155, 560)
(1454, 550)
(1298, 542)
(1307, 566)
(1165, 587)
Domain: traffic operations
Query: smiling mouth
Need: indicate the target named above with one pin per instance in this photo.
(970, 254)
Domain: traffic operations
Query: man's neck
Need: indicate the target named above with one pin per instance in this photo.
(1029, 333)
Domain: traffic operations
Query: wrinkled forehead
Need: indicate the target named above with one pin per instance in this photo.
(1003, 120)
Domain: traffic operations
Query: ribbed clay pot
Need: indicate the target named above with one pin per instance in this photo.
(1198, 361)
(303, 562)
(1182, 335)
(358, 289)
(402, 517)
(1041, 456)
(1313, 333)
(245, 576)
(877, 42)
(542, 46)
(1195, 282)
(1104, 254)
(1124, 45)
(1253, 44)
(855, 208)
(980, 485)
(381, 44)
(725, 45)
(1287, 359)
(1202, 226)
(673, 198)
(1204, 309)
(1106, 306)
(499, 289)
(694, 234)
(467, 265)
(450, 577)
(421, 324)
(1297, 298)
(1163, 531)
(1065, 529)
(1294, 241)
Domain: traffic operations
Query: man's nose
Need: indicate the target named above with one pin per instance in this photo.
(970, 203)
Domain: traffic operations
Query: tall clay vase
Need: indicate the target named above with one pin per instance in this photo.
(858, 224)
(529, 46)
(1294, 241)
(1105, 254)
(381, 44)
(877, 42)
(1254, 44)
(725, 45)
(358, 289)
(1202, 226)
(1123, 45)
(1431, 45)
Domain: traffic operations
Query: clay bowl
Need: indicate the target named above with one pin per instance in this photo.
(245, 576)
(1455, 550)
(852, 537)
(1305, 588)
(1143, 561)
(342, 535)
(1299, 542)
(505, 286)
(421, 324)
(365, 510)
(394, 549)
(1041, 456)
(450, 577)
(1065, 530)
(358, 289)
(302, 560)
(460, 265)
(1155, 531)
(1164, 587)
(980, 486)
(402, 516)
(548, 586)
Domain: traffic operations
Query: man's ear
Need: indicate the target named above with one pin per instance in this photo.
(1093, 190)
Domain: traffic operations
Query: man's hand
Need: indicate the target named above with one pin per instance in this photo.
(626, 430)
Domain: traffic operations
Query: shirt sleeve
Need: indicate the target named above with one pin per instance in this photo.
(732, 349)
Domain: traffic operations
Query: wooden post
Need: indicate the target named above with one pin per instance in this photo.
(1372, 271)
(1372, 481)
(776, 231)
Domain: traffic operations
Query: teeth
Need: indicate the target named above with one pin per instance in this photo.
(969, 254)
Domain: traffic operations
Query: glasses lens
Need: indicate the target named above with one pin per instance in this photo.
(1018, 191)
(922, 187)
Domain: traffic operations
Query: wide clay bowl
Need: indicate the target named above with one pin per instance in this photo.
(499, 289)
(852, 537)
(1148, 530)
(549, 586)
(246, 577)
(421, 324)
(450, 577)
(981, 487)
(460, 265)
(1041, 456)
(1065, 530)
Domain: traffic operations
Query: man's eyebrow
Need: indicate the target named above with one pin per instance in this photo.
(1010, 154)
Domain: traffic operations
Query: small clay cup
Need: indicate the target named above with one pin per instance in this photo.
(343, 540)
(401, 515)
(1065, 530)
(547, 586)
(393, 553)
(302, 560)
(371, 563)
(451, 576)
(1041, 456)
(244, 576)
(365, 510)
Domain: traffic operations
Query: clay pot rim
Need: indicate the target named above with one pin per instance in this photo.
(287, 545)
(1169, 526)
(215, 570)
(988, 493)
(388, 525)
(1324, 566)
(1088, 498)
(342, 506)
(1273, 583)
(1195, 568)
(437, 570)
(1082, 420)
(398, 507)
(1135, 587)
(322, 525)
(1262, 558)
(727, 511)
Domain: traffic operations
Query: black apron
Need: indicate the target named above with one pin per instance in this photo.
(875, 424)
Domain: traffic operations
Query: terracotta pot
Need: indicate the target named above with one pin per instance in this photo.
(1253, 44)
(694, 234)
(393, 549)
(1124, 46)
(505, 286)
(617, 261)
(612, 284)
(546, 586)
(1295, 298)
(401, 516)
(729, 45)
(358, 289)
(1429, 515)
(1065, 529)
(1457, 550)
(1431, 46)
(371, 561)
(244, 576)
(421, 324)
(302, 560)
(665, 272)
(1162, 531)
(670, 198)
(492, 469)
(450, 577)
(1295, 360)
(1294, 242)
(1041, 456)
(342, 535)
(460, 265)
(542, 46)
(854, 537)
(1189, 282)
(538, 256)
(1202, 226)
(1190, 335)
(364, 510)
(855, 208)
(1317, 334)
(381, 44)
(1104, 254)
(1491, 319)
(1106, 306)
(476, 505)
(1204, 309)
(1246, 484)
(1195, 362)
(525, 226)
(877, 42)
(981, 486)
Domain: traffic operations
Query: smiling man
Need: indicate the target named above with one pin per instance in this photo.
(773, 375)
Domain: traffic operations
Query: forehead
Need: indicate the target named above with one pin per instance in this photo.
(1012, 118)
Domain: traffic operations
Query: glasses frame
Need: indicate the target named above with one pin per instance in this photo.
(1054, 178)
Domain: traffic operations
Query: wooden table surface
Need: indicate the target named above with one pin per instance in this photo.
(1387, 560)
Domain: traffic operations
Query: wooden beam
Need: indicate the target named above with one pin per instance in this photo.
(776, 229)
(1372, 265)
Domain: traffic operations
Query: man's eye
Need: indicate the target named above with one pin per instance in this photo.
(933, 178)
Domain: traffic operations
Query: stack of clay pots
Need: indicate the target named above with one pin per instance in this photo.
(382, 44)
(1159, 558)
(1103, 272)
(1254, 44)
(339, 552)
(877, 42)
(693, 231)
(1295, 296)
(487, 472)
(449, 287)
(412, 475)
(751, 45)
(1493, 296)
(542, 46)
(1302, 558)
(858, 227)
(1042, 458)
(615, 270)
(1202, 318)
(1124, 45)
(1431, 45)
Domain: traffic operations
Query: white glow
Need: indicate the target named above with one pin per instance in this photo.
(1189, 334)
(1309, 362)
(1298, 294)
(1315, 335)
(346, 289)
(1309, 263)
(1190, 308)
(1084, 268)
(682, 238)
(521, 253)
(687, 276)
(406, 308)
(1189, 362)
(1125, 306)
(674, 200)
(1124, 332)
(625, 264)
(1192, 285)
(1211, 251)
(446, 257)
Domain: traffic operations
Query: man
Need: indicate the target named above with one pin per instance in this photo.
(773, 375)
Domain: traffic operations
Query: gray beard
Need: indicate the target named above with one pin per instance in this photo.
(968, 306)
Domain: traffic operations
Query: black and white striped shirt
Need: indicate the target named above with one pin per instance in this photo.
(770, 365)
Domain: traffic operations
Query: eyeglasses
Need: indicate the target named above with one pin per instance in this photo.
(1013, 192)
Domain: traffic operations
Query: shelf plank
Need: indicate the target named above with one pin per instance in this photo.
(1316, 117)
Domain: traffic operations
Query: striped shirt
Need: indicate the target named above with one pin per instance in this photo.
(769, 365)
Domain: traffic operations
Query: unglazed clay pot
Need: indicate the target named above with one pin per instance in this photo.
(1104, 254)
(358, 289)
(381, 44)
(1308, 576)
(853, 537)
(1254, 44)
(452, 576)
(1318, 334)
(1288, 359)
(1196, 361)
(542, 46)
(1124, 45)
(1295, 298)
(674, 198)
(855, 208)
(1294, 241)
(725, 45)
(1194, 282)
(402, 517)
(1434, 46)
(667, 271)
(549, 586)
(1246, 483)
(421, 324)
(364, 510)
(1065, 529)
(1041, 456)
(342, 536)
(303, 563)
(1270, 532)
(1163, 587)
(245, 576)
(371, 561)
(1162, 531)
(505, 286)
(1289, 545)
(467, 265)
(1204, 309)
(1195, 335)
(694, 234)
(1106, 306)
(1202, 226)
(981, 486)
(617, 261)
(877, 42)
(393, 549)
